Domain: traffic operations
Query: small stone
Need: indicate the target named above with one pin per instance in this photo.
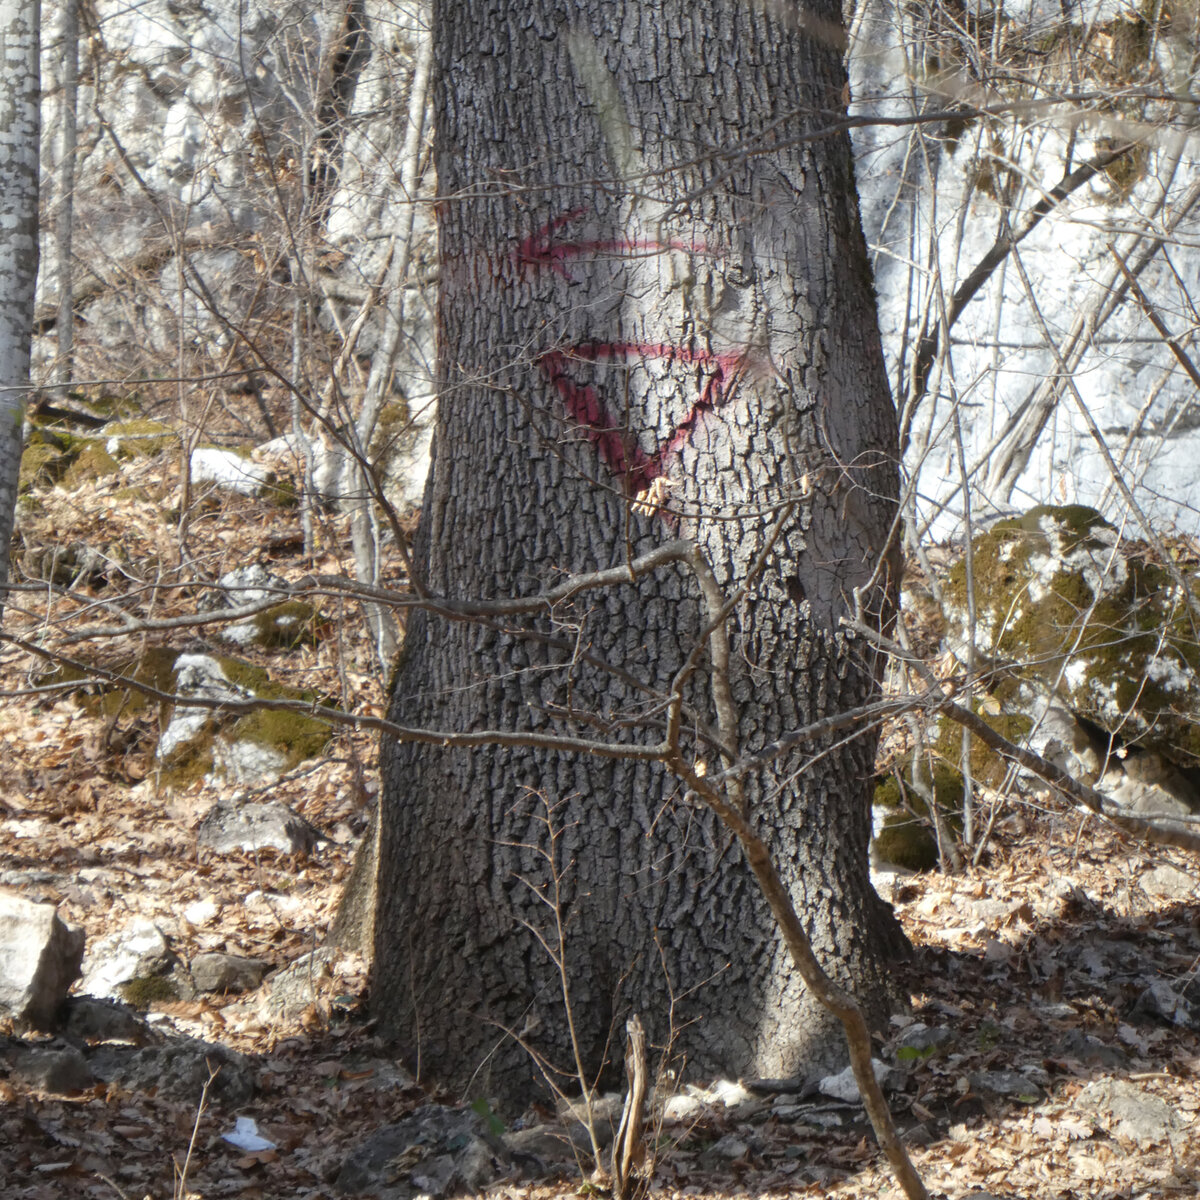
(920, 1042)
(788, 1111)
(843, 1086)
(245, 585)
(1135, 1114)
(227, 972)
(138, 951)
(730, 1146)
(178, 1070)
(549, 1144)
(736, 1095)
(201, 912)
(435, 1151)
(1091, 1051)
(1010, 1085)
(605, 1117)
(231, 828)
(683, 1108)
(95, 1020)
(297, 986)
(1164, 1002)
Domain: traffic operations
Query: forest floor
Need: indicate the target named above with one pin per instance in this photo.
(1036, 960)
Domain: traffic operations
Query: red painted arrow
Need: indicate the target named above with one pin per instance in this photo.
(541, 250)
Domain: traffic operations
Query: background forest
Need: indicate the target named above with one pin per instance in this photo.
(223, 465)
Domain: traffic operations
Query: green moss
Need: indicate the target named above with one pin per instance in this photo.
(92, 462)
(280, 491)
(908, 843)
(296, 736)
(907, 837)
(190, 762)
(257, 680)
(293, 734)
(154, 666)
(1062, 610)
(41, 465)
(1075, 524)
(987, 766)
(147, 991)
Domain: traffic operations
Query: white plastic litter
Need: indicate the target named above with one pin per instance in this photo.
(245, 1136)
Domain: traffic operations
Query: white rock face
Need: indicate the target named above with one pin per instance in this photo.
(217, 108)
(935, 198)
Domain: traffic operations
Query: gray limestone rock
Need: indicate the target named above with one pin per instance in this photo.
(548, 1146)
(1092, 640)
(297, 986)
(1006, 1085)
(61, 1069)
(94, 1020)
(919, 1042)
(1168, 883)
(39, 960)
(843, 1086)
(177, 1070)
(434, 1152)
(247, 748)
(232, 828)
(227, 972)
(1131, 1112)
(1175, 1007)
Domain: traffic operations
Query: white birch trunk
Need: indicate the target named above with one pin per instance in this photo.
(20, 126)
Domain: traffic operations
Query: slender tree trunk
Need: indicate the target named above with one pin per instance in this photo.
(64, 216)
(657, 321)
(20, 124)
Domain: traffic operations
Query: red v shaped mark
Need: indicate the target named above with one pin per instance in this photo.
(616, 444)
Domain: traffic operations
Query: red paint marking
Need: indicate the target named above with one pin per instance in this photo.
(541, 249)
(618, 447)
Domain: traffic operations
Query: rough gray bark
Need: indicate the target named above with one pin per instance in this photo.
(20, 124)
(656, 321)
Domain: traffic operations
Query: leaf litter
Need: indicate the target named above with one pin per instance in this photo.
(1034, 965)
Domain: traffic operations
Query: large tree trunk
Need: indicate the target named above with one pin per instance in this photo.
(654, 286)
(20, 125)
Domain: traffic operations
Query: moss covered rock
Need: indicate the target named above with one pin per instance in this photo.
(905, 835)
(199, 742)
(137, 439)
(42, 464)
(195, 742)
(285, 626)
(1068, 614)
(93, 461)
